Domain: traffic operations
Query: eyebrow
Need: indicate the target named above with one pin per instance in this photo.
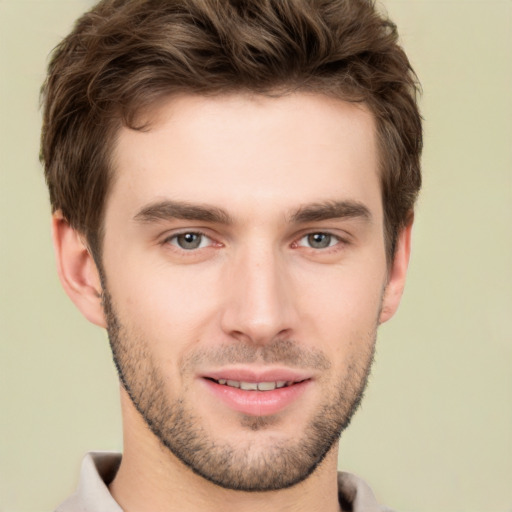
(168, 210)
(331, 210)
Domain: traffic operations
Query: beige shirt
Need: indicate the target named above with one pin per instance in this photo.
(99, 469)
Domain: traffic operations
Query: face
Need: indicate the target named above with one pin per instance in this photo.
(244, 274)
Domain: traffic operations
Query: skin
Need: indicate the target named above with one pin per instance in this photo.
(255, 281)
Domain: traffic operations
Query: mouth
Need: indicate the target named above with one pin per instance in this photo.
(257, 395)
(256, 386)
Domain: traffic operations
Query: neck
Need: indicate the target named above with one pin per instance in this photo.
(150, 478)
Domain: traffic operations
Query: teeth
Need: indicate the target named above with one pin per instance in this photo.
(249, 386)
(266, 386)
(255, 386)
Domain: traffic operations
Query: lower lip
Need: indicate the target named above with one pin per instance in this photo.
(257, 403)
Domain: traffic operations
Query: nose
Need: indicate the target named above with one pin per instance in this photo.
(259, 305)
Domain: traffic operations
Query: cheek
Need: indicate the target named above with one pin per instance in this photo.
(340, 311)
(347, 294)
(167, 307)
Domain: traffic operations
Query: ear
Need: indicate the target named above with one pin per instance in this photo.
(397, 274)
(77, 270)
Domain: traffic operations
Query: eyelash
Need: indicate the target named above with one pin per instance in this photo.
(169, 240)
(330, 238)
(173, 240)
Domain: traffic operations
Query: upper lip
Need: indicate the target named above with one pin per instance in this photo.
(254, 375)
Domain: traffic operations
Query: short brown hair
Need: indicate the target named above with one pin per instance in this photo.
(124, 55)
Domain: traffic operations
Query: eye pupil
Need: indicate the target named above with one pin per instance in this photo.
(189, 240)
(319, 240)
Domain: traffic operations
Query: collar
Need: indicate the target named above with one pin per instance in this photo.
(99, 469)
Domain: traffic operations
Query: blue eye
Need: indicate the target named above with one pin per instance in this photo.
(319, 240)
(190, 241)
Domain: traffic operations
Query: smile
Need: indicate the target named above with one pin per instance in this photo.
(255, 386)
(255, 396)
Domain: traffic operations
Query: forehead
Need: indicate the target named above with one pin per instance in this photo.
(248, 152)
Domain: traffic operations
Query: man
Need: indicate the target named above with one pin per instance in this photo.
(233, 186)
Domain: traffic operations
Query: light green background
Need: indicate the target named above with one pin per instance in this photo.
(435, 430)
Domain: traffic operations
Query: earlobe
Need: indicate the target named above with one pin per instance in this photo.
(77, 270)
(397, 274)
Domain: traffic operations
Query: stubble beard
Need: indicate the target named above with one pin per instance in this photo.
(279, 464)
